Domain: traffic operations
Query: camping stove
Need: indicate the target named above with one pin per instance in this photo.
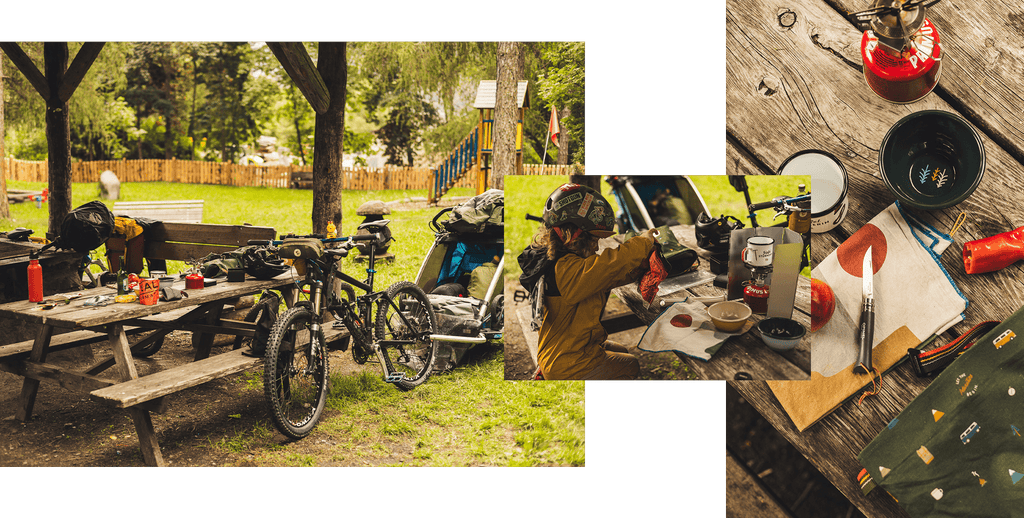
(900, 48)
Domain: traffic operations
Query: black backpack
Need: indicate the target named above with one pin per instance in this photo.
(85, 228)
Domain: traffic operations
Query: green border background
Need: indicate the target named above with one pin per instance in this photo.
(656, 106)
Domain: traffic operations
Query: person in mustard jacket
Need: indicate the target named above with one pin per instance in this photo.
(573, 344)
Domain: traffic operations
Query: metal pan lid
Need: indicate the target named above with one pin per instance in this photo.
(829, 183)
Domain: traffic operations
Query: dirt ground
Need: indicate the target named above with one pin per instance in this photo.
(519, 363)
(69, 429)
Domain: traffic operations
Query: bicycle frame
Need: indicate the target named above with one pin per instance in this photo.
(354, 315)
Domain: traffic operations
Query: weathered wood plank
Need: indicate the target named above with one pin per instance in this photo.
(76, 381)
(833, 443)
(27, 67)
(228, 235)
(786, 92)
(982, 65)
(30, 386)
(78, 68)
(77, 316)
(745, 495)
(173, 380)
(302, 70)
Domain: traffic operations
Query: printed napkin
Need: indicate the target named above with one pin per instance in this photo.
(914, 299)
(687, 328)
(956, 450)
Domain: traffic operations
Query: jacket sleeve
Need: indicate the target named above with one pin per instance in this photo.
(580, 278)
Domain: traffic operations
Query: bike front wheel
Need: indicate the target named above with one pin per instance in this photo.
(295, 373)
(405, 321)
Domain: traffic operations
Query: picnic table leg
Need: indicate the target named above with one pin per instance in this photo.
(125, 365)
(30, 387)
(204, 341)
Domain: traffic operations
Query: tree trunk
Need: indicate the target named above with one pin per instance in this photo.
(58, 137)
(506, 113)
(563, 138)
(327, 140)
(298, 138)
(5, 210)
(593, 181)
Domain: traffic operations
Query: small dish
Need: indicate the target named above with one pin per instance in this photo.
(781, 334)
(729, 316)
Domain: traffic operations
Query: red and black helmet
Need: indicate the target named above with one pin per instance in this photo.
(582, 206)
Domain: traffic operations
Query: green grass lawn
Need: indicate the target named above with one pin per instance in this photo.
(470, 416)
(286, 210)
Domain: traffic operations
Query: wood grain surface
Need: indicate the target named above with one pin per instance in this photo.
(78, 316)
(800, 86)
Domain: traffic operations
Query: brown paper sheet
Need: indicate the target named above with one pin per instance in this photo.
(808, 401)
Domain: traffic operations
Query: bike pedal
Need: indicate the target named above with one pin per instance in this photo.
(394, 377)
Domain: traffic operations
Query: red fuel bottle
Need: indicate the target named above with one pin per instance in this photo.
(900, 48)
(35, 279)
(994, 253)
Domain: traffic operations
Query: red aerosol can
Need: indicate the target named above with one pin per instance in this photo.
(900, 48)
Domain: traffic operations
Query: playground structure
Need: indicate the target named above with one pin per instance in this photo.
(473, 154)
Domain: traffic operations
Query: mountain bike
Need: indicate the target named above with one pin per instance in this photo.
(401, 339)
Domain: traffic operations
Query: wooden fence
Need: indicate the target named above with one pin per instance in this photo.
(218, 173)
(551, 169)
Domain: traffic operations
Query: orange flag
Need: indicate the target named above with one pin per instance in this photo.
(553, 127)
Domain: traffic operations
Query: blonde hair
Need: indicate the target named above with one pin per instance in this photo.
(585, 245)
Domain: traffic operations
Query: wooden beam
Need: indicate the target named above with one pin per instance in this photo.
(27, 67)
(73, 77)
(302, 70)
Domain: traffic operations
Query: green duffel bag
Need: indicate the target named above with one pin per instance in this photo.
(957, 449)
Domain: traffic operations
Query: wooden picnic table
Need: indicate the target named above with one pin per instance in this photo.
(745, 354)
(793, 82)
(199, 312)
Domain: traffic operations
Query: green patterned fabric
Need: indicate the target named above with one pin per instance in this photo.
(957, 449)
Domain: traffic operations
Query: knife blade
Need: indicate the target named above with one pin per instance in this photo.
(867, 318)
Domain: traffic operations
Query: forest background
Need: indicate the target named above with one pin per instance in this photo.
(408, 101)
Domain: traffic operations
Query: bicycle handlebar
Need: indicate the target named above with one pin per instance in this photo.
(778, 202)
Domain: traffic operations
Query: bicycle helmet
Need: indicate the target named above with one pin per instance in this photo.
(263, 265)
(582, 206)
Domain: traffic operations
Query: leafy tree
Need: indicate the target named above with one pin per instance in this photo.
(562, 84)
(413, 90)
(157, 86)
(101, 120)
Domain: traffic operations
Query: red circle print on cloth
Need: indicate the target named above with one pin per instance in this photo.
(681, 321)
(851, 252)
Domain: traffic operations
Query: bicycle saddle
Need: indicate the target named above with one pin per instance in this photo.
(374, 226)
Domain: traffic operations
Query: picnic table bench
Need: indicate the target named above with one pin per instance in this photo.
(795, 82)
(199, 313)
(177, 211)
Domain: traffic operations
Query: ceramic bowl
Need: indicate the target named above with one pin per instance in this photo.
(932, 159)
(781, 334)
(729, 316)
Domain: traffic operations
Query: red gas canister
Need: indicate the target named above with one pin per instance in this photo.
(193, 281)
(900, 48)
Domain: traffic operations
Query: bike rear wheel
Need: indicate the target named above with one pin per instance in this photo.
(295, 373)
(405, 321)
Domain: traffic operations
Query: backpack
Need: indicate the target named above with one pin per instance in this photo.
(483, 212)
(537, 269)
(85, 228)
